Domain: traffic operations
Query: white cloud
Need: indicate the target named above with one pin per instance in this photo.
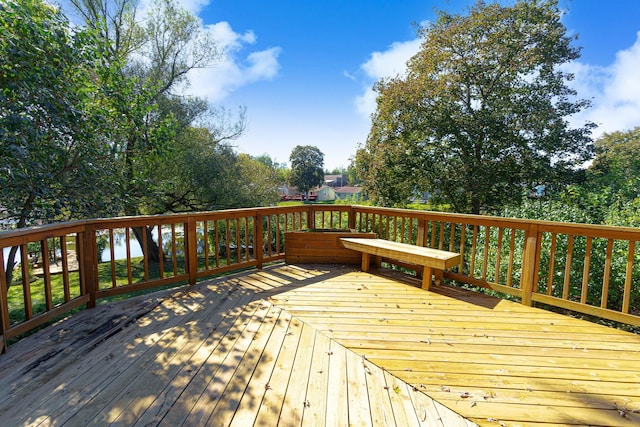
(390, 63)
(614, 92)
(233, 70)
(228, 39)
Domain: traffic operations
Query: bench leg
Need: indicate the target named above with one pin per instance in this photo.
(366, 262)
(426, 278)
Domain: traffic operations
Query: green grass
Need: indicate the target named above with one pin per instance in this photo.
(15, 294)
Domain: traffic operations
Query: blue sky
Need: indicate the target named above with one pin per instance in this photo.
(304, 69)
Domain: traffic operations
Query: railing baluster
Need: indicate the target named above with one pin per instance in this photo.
(269, 238)
(4, 304)
(145, 252)
(604, 302)
(229, 240)
(452, 236)
(552, 262)
(26, 282)
(628, 277)
(205, 236)
(174, 252)
(432, 240)
(46, 273)
(498, 256)
(247, 244)
(190, 234)
(65, 269)
(127, 236)
(112, 252)
(567, 268)
(463, 243)
(474, 241)
(216, 226)
(512, 249)
(485, 259)
(584, 292)
(278, 245)
(160, 252)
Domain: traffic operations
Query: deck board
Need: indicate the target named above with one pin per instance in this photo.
(490, 360)
(321, 345)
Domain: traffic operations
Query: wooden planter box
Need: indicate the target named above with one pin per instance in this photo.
(321, 247)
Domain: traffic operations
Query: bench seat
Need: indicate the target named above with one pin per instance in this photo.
(431, 259)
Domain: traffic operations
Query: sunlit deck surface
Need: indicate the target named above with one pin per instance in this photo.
(321, 345)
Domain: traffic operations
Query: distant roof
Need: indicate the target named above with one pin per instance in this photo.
(349, 190)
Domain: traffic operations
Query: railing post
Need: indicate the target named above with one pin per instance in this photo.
(422, 232)
(192, 250)
(529, 264)
(311, 217)
(258, 240)
(351, 220)
(89, 255)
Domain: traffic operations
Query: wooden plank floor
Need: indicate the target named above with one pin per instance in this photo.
(214, 354)
(494, 362)
(323, 345)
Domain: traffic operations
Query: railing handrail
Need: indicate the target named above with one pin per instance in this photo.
(510, 255)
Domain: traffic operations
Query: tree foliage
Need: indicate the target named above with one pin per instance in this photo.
(615, 171)
(307, 164)
(53, 157)
(205, 174)
(481, 115)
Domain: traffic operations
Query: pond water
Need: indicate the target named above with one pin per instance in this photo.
(119, 250)
(120, 246)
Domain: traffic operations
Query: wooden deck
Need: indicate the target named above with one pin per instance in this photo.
(322, 345)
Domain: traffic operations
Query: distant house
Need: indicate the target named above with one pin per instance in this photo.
(335, 181)
(349, 193)
(324, 193)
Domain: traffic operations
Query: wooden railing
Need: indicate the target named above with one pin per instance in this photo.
(584, 268)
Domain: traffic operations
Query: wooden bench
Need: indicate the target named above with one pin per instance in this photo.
(431, 259)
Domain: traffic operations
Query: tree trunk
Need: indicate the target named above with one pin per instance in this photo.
(11, 263)
(153, 251)
(22, 223)
(475, 205)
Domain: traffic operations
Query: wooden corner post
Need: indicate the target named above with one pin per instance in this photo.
(192, 250)
(351, 220)
(4, 307)
(529, 264)
(421, 238)
(89, 273)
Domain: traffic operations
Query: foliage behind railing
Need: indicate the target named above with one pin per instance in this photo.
(585, 268)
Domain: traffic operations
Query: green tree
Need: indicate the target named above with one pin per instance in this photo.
(615, 171)
(306, 168)
(151, 59)
(53, 158)
(257, 183)
(481, 115)
(206, 174)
